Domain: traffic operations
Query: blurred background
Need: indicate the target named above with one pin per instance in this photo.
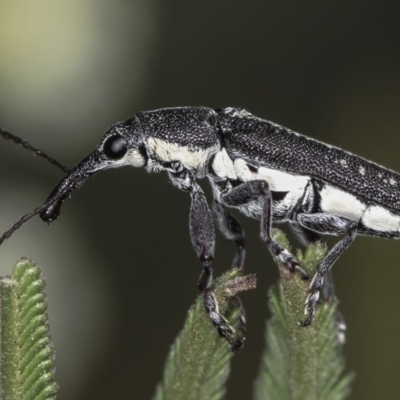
(120, 270)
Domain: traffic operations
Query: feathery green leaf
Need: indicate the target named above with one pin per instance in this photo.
(301, 362)
(26, 354)
(199, 361)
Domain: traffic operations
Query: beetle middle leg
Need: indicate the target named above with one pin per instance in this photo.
(254, 190)
(232, 231)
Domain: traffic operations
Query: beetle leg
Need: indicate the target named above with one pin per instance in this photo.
(307, 236)
(251, 191)
(203, 240)
(303, 235)
(333, 225)
(232, 231)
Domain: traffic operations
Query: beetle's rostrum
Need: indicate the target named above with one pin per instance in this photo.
(264, 170)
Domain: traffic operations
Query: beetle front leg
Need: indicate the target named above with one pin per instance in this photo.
(251, 191)
(203, 240)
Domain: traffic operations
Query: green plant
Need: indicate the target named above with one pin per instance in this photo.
(298, 363)
(26, 353)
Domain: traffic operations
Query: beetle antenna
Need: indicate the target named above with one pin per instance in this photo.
(35, 150)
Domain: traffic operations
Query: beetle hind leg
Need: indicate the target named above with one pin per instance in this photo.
(333, 225)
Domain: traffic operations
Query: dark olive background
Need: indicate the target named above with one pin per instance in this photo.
(119, 265)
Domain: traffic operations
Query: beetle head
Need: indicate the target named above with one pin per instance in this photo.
(120, 145)
(155, 138)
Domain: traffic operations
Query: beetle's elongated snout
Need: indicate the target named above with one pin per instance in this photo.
(75, 179)
(71, 182)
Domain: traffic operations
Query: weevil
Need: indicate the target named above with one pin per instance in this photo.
(262, 169)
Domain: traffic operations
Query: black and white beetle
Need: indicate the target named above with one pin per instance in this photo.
(266, 171)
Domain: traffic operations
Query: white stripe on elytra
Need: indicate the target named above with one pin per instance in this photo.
(380, 219)
(278, 181)
(337, 202)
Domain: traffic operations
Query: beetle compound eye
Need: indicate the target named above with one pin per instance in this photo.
(115, 147)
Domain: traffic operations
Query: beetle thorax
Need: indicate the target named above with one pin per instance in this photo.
(161, 153)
